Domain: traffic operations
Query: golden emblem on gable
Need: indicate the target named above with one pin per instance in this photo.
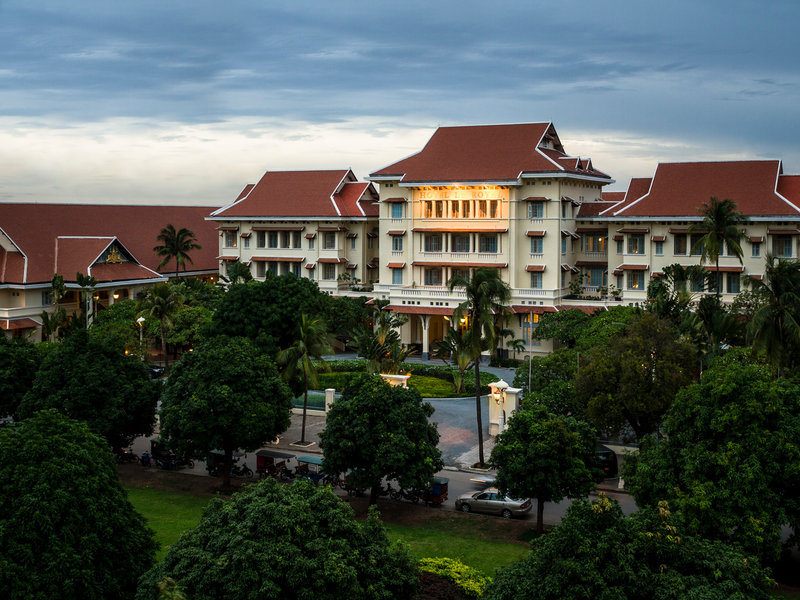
(113, 257)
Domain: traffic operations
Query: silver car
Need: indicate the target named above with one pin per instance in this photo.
(493, 502)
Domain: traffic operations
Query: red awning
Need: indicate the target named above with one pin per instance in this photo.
(246, 234)
(332, 260)
(420, 310)
(228, 228)
(634, 230)
(227, 258)
(331, 228)
(465, 265)
(535, 199)
(396, 265)
(536, 233)
(783, 232)
(522, 309)
(756, 239)
(458, 230)
(278, 228)
(352, 266)
(278, 258)
(738, 269)
(396, 232)
(14, 324)
(311, 236)
(351, 236)
(535, 268)
(395, 200)
(632, 268)
(309, 265)
(658, 238)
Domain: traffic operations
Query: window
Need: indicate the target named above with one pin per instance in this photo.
(310, 273)
(454, 206)
(397, 243)
(433, 277)
(619, 246)
(782, 246)
(429, 209)
(563, 245)
(246, 242)
(529, 324)
(311, 243)
(679, 244)
(635, 280)
(463, 273)
(397, 210)
(230, 239)
(619, 282)
(397, 276)
(563, 279)
(733, 283)
(261, 239)
(272, 239)
(466, 206)
(535, 210)
(594, 242)
(439, 209)
(536, 281)
(636, 243)
(295, 268)
(285, 239)
(487, 243)
(328, 271)
(564, 206)
(433, 242)
(296, 239)
(492, 209)
(659, 249)
(47, 298)
(698, 284)
(460, 243)
(756, 249)
(273, 267)
(329, 240)
(481, 209)
(352, 243)
(595, 276)
(261, 269)
(537, 244)
(696, 242)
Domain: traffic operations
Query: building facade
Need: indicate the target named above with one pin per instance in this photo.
(317, 224)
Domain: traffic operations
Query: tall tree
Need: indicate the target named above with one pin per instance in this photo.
(487, 294)
(544, 456)
(67, 529)
(225, 395)
(238, 273)
(721, 226)
(313, 341)
(377, 430)
(93, 381)
(161, 303)
(176, 244)
(775, 327)
(87, 284)
(455, 347)
(19, 361)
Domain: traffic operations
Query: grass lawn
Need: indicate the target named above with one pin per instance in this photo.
(428, 387)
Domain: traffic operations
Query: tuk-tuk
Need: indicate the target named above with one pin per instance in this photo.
(271, 462)
(311, 467)
(216, 461)
(436, 493)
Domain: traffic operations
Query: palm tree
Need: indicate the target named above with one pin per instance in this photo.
(313, 341)
(775, 327)
(177, 245)
(161, 303)
(455, 347)
(487, 296)
(87, 284)
(721, 222)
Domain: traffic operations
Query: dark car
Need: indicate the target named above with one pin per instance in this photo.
(605, 460)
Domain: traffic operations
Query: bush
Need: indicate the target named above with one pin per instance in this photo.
(471, 581)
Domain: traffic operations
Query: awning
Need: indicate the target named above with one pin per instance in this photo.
(758, 276)
(592, 230)
(736, 269)
(565, 233)
(618, 238)
(464, 265)
(278, 228)
(311, 236)
(523, 309)
(332, 260)
(351, 236)
(419, 310)
(15, 324)
(566, 267)
(352, 266)
(395, 200)
(396, 265)
(535, 199)
(228, 228)
(632, 268)
(591, 263)
(676, 231)
(331, 228)
(783, 232)
(658, 238)
(634, 230)
(310, 266)
(756, 239)
(246, 234)
(396, 232)
(535, 233)
(372, 235)
(371, 266)
(277, 258)
(568, 199)
(535, 268)
(458, 230)
(227, 258)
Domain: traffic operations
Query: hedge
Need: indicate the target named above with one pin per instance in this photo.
(471, 581)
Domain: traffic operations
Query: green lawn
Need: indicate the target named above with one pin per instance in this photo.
(170, 513)
(428, 387)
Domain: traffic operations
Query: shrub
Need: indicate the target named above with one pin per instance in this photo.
(471, 581)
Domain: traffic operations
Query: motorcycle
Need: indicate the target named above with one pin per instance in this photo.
(241, 471)
(145, 459)
(411, 495)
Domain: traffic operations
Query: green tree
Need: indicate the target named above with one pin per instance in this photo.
(634, 380)
(267, 311)
(90, 381)
(669, 296)
(604, 326)
(285, 541)
(161, 303)
(377, 430)
(175, 244)
(346, 316)
(19, 361)
(544, 456)
(225, 395)
(238, 272)
(53, 323)
(116, 326)
(564, 326)
(775, 327)
(552, 382)
(730, 459)
(597, 552)
(313, 341)
(487, 294)
(87, 285)
(380, 344)
(67, 529)
(191, 326)
(721, 226)
(455, 347)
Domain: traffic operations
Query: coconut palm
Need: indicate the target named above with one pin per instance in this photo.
(487, 296)
(455, 347)
(87, 284)
(177, 245)
(775, 327)
(161, 303)
(312, 342)
(721, 226)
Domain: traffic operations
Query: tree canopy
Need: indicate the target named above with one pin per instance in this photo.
(92, 382)
(597, 552)
(175, 244)
(67, 529)
(225, 395)
(544, 456)
(730, 459)
(564, 326)
(19, 361)
(285, 541)
(377, 430)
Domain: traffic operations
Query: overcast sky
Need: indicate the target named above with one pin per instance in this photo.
(186, 101)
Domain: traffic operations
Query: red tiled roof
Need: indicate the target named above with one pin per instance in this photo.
(335, 194)
(680, 189)
(483, 153)
(420, 310)
(122, 272)
(78, 254)
(637, 188)
(611, 197)
(589, 310)
(591, 209)
(789, 188)
(524, 309)
(13, 324)
(446, 263)
(35, 227)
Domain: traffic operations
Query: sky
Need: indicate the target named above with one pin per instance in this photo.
(184, 102)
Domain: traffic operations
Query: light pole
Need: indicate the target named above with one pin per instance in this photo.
(140, 321)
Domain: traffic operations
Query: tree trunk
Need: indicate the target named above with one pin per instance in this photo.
(478, 409)
(539, 516)
(226, 471)
(373, 494)
(305, 405)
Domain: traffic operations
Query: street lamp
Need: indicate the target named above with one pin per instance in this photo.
(140, 321)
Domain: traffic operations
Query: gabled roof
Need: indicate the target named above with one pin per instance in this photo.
(680, 190)
(592, 209)
(332, 194)
(488, 153)
(38, 229)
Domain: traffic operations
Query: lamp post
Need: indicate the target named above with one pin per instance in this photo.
(140, 321)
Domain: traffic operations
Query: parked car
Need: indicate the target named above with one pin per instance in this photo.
(493, 502)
